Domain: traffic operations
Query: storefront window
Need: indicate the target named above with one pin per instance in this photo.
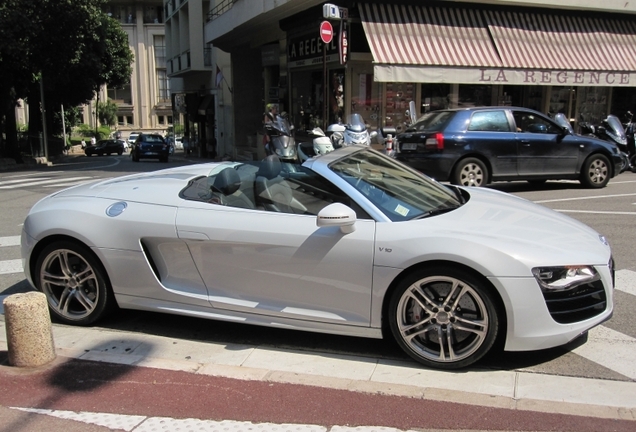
(306, 112)
(434, 97)
(592, 104)
(366, 98)
(474, 95)
(397, 99)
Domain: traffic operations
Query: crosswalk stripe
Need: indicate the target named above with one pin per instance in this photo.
(10, 241)
(7, 182)
(37, 183)
(626, 281)
(610, 349)
(11, 266)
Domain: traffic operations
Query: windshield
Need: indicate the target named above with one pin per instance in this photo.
(396, 190)
(615, 128)
(432, 121)
(355, 123)
(563, 122)
(282, 125)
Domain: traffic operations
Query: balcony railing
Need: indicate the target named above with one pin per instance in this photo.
(220, 9)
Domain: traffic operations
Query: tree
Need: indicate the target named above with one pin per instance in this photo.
(107, 112)
(71, 46)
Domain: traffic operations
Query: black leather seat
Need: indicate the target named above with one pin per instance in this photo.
(272, 191)
(226, 188)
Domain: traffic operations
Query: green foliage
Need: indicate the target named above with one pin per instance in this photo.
(107, 112)
(71, 45)
(88, 131)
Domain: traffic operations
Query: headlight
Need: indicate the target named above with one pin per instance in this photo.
(564, 278)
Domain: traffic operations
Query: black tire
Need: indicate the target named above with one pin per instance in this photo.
(470, 172)
(120, 152)
(74, 282)
(444, 317)
(135, 158)
(163, 159)
(596, 171)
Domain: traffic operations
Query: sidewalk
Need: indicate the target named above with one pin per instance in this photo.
(125, 357)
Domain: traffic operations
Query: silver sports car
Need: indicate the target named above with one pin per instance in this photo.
(352, 242)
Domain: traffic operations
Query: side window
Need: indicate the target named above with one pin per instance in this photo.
(489, 121)
(531, 123)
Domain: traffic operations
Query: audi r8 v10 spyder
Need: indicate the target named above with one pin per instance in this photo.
(351, 242)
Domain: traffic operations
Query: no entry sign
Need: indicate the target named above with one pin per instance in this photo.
(326, 32)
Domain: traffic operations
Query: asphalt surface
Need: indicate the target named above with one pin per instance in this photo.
(124, 379)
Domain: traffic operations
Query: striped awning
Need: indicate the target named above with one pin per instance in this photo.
(439, 44)
(417, 35)
(566, 42)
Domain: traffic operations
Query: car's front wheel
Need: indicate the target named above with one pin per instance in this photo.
(470, 172)
(74, 283)
(444, 317)
(596, 171)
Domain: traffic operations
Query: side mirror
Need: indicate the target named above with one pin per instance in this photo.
(337, 214)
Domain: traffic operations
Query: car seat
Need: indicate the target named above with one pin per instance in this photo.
(272, 191)
(226, 189)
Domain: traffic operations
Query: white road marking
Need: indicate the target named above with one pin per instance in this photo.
(584, 198)
(610, 349)
(6, 182)
(11, 266)
(626, 281)
(37, 183)
(595, 212)
(10, 241)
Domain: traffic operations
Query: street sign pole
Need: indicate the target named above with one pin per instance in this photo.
(326, 36)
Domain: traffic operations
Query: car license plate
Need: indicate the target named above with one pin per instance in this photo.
(409, 146)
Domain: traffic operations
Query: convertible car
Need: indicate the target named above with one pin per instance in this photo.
(352, 242)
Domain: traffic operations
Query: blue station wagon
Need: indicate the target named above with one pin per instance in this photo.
(477, 146)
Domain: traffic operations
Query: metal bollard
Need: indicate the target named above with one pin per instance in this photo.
(29, 330)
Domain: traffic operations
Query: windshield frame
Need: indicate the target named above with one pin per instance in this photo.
(394, 189)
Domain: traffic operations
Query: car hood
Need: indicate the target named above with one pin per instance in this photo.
(494, 226)
(157, 187)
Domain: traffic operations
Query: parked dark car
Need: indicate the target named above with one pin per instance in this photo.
(105, 147)
(150, 146)
(477, 146)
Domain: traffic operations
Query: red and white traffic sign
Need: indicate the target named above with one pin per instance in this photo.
(326, 32)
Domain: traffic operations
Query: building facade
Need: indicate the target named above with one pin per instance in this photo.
(200, 79)
(144, 105)
(577, 57)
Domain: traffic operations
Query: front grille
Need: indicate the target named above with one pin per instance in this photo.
(578, 304)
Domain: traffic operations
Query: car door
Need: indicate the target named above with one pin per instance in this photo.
(542, 147)
(488, 133)
(279, 264)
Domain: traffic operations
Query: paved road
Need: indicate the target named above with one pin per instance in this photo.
(607, 354)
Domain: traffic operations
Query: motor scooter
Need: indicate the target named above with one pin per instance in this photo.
(354, 131)
(319, 145)
(281, 140)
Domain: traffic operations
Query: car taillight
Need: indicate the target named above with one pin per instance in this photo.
(435, 142)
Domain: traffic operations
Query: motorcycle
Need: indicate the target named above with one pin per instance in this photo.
(611, 130)
(319, 145)
(630, 133)
(353, 132)
(281, 140)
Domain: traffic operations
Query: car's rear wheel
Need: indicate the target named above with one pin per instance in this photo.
(120, 152)
(470, 172)
(596, 171)
(444, 317)
(74, 283)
